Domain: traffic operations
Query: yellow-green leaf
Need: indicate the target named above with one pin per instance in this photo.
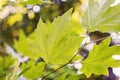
(32, 70)
(55, 42)
(22, 45)
(101, 16)
(100, 58)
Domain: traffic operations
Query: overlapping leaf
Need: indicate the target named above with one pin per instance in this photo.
(32, 70)
(55, 42)
(23, 46)
(100, 16)
(100, 58)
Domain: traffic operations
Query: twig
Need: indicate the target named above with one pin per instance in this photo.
(24, 71)
(60, 67)
(99, 39)
(64, 64)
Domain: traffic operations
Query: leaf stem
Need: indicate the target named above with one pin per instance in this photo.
(59, 67)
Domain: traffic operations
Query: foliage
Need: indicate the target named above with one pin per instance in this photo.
(48, 41)
(55, 44)
(6, 64)
(73, 77)
(26, 49)
(101, 16)
(50, 38)
(100, 58)
(32, 70)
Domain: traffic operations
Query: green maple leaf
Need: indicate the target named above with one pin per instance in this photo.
(101, 16)
(100, 58)
(32, 70)
(23, 45)
(55, 42)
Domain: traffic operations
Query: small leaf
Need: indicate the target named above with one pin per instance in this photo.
(100, 58)
(23, 45)
(32, 70)
(101, 16)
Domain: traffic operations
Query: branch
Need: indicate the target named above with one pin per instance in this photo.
(64, 64)
(60, 66)
(73, 57)
(99, 39)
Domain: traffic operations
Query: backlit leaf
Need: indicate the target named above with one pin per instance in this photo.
(23, 46)
(55, 42)
(101, 16)
(100, 58)
(32, 70)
